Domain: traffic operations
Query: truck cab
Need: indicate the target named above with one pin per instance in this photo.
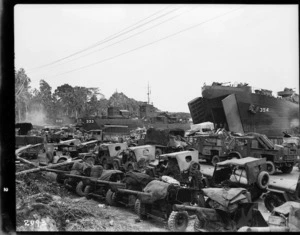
(212, 147)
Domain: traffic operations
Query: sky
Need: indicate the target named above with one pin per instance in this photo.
(175, 48)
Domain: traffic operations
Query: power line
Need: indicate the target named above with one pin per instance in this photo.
(92, 52)
(148, 44)
(111, 37)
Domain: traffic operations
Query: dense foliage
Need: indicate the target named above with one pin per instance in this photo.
(44, 105)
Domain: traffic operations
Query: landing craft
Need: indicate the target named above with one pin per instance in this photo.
(238, 109)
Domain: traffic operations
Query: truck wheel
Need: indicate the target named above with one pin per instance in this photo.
(111, 198)
(178, 221)
(287, 169)
(80, 189)
(199, 224)
(263, 179)
(140, 209)
(271, 167)
(215, 159)
(271, 201)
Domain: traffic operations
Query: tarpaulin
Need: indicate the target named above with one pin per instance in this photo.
(136, 180)
(106, 174)
(225, 197)
(157, 189)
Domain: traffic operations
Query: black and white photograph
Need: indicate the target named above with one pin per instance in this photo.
(165, 117)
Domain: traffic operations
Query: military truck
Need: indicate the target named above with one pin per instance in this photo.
(212, 147)
(259, 146)
(164, 140)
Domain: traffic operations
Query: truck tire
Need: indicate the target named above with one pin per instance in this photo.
(111, 198)
(215, 159)
(271, 201)
(263, 179)
(140, 209)
(271, 167)
(80, 189)
(287, 169)
(199, 225)
(178, 221)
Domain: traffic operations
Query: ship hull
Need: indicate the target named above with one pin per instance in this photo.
(99, 123)
(248, 112)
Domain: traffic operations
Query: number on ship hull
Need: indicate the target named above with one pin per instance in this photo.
(263, 110)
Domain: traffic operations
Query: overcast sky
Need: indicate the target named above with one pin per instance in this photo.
(176, 48)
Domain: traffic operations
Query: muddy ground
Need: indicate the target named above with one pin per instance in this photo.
(44, 205)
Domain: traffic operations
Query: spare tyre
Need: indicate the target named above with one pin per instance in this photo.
(271, 167)
(263, 179)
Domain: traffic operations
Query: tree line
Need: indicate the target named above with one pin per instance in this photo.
(66, 100)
